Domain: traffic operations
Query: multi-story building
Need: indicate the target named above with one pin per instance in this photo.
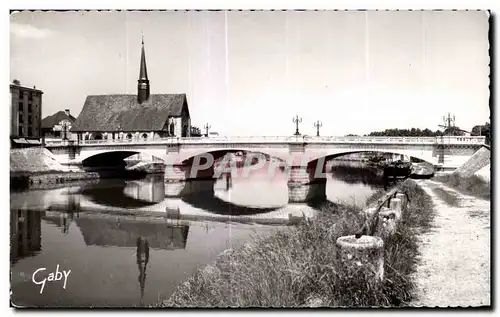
(26, 111)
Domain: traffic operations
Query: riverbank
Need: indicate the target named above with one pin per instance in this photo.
(48, 179)
(471, 185)
(297, 266)
(36, 168)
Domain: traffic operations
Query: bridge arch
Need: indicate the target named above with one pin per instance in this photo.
(111, 158)
(187, 156)
(328, 155)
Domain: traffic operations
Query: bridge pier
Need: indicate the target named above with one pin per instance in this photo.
(303, 186)
(189, 187)
(181, 180)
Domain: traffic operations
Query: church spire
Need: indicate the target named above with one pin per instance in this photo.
(143, 82)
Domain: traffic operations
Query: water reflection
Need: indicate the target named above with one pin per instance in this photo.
(142, 255)
(206, 198)
(100, 229)
(62, 220)
(127, 193)
(135, 254)
(25, 234)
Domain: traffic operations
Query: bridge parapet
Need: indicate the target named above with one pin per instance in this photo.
(445, 140)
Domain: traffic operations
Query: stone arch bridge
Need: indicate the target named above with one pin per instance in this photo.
(303, 155)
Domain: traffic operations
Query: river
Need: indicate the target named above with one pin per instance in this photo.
(121, 249)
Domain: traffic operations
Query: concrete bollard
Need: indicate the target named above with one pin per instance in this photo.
(396, 206)
(387, 223)
(366, 252)
(404, 201)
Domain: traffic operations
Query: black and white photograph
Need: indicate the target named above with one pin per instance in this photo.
(250, 158)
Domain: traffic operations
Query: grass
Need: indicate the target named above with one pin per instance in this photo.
(298, 265)
(449, 198)
(472, 185)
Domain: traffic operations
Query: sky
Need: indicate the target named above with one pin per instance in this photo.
(250, 73)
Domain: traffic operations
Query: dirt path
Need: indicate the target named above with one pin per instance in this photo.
(455, 260)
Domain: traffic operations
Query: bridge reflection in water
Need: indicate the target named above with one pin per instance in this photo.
(115, 236)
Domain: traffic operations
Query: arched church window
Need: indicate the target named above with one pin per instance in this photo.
(144, 136)
(98, 136)
(129, 136)
(171, 128)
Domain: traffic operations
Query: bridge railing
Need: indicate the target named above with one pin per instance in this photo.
(281, 139)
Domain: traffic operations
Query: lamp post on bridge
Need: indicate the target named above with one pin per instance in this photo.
(297, 120)
(207, 126)
(318, 124)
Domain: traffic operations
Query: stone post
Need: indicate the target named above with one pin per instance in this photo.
(365, 253)
(404, 201)
(396, 206)
(387, 223)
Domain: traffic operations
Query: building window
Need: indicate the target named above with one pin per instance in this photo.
(20, 131)
(171, 129)
(30, 119)
(30, 108)
(144, 136)
(57, 134)
(129, 136)
(21, 120)
(21, 95)
(30, 132)
(30, 96)
(20, 106)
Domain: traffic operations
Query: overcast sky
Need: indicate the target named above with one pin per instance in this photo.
(250, 73)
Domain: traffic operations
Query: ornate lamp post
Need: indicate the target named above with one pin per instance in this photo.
(65, 130)
(297, 120)
(207, 126)
(318, 124)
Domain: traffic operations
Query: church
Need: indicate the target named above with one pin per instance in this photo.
(143, 116)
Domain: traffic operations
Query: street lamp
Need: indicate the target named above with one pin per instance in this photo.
(207, 126)
(318, 124)
(297, 120)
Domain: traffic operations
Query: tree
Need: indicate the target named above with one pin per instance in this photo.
(454, 131)
(413, 132)
(482, 130)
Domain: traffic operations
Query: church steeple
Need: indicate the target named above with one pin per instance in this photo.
(143, 82)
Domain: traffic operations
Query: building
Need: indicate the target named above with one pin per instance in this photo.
(26, 113)
(134, 117)
(57, 126)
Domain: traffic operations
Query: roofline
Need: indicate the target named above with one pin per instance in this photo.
(26, 88)
(115, 131)
(162, 94)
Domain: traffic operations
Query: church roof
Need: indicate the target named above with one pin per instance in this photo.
(109, 113)
(50, 121)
